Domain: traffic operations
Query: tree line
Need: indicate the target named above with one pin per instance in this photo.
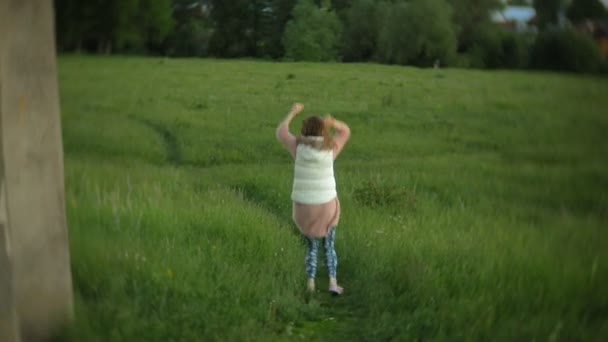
(407, 32)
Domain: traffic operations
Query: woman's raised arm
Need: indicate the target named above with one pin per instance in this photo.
(342, 134)
(283, 135)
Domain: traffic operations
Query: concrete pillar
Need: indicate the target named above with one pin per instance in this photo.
(9, 331)
(31, 145)
(9, 327)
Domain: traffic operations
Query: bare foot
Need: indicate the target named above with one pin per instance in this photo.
(310, 285)
(335, 289)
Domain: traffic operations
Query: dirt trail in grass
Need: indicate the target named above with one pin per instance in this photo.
(173, 151)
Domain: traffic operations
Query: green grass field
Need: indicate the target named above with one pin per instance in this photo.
(475, 204)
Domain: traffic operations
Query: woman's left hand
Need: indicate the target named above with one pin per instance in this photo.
(329, 121)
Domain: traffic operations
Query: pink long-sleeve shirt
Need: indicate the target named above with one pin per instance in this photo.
(314, 220)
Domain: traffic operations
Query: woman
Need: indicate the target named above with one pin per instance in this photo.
(316, 208)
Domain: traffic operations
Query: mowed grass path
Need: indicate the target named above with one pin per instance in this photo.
(475, 204)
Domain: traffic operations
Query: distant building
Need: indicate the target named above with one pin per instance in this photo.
(523, 19)
(516, 18)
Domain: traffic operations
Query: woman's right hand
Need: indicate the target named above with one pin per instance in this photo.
(297, 108)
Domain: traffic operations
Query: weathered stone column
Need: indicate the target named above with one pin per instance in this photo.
(9, 327)
(9, 331)
(30, 130)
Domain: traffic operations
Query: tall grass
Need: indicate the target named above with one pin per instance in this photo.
(475, 204)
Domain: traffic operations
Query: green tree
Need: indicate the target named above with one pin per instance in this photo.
(75, 21)
(361, 28)
(313, 33)
(566, 50)
(249, 27)
(548, 12)
(471, 17)
(106, 26)
(580, 10)
(232, 35)
(141, 24)
(340, 6)
(192, 30)
(499, 48)
(156, 22)
(274, 20)
(337, 5)
(418, 32)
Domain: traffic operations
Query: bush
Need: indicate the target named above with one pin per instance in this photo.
(496, 48)
(604, 67)
(312, 34)
(419, 32)
(361, 27)
(566, 50)
(190, 38)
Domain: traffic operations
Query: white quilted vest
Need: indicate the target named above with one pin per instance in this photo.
(314, 181)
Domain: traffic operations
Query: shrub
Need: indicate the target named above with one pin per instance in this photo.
(312, 34)
(190, 38)
(361, 27)
(419, 32)
(496, 48)
(565, 50)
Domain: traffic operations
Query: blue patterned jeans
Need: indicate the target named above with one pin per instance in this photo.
(312, 250)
